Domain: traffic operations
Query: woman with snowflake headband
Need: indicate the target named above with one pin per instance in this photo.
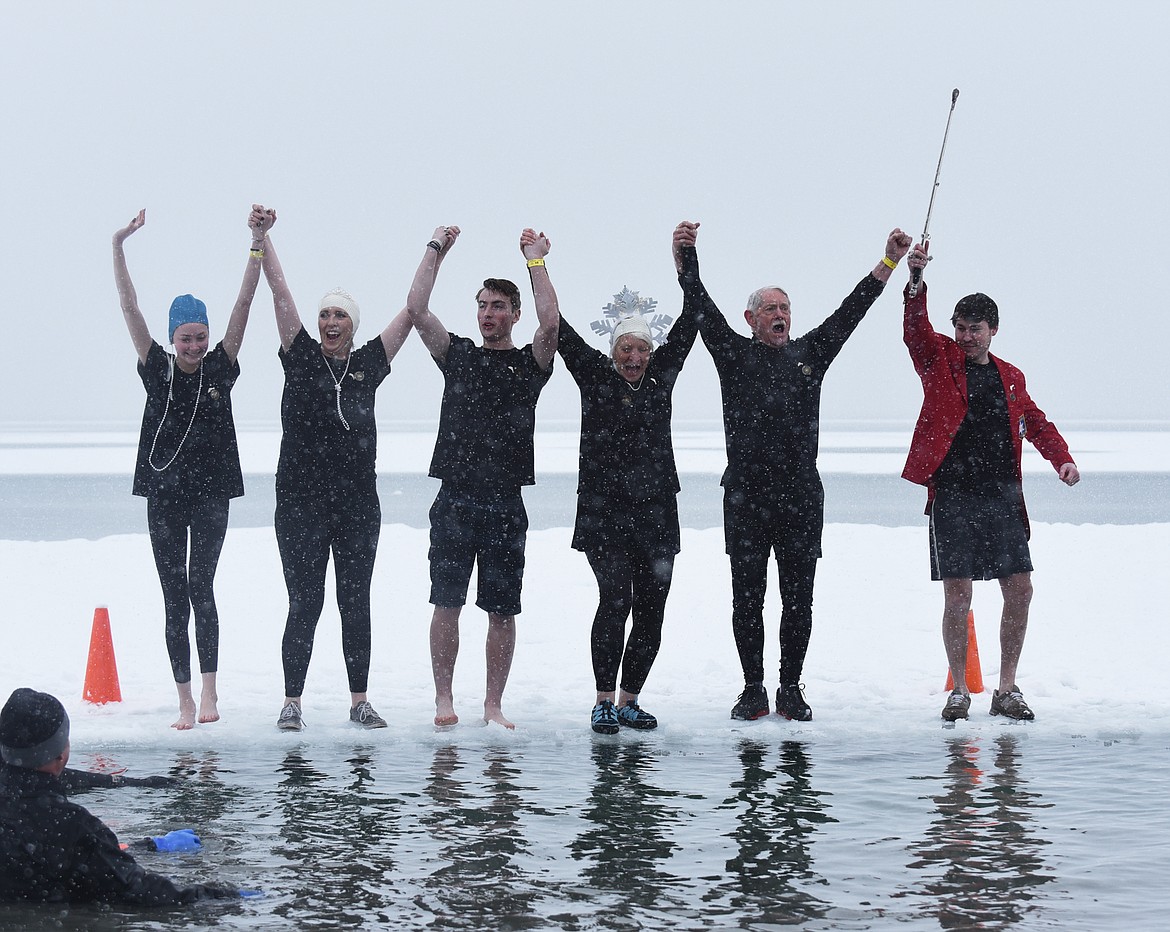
(188, 465)
(627, 511)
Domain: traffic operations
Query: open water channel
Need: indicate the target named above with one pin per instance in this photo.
(977, 827)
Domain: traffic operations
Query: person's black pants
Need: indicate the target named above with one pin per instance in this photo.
(628, 583)
(307, 530)
(188, 580)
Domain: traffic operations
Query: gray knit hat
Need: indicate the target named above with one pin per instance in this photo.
(34, 729)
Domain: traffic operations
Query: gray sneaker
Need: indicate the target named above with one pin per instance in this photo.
(958, 704)
(364, 716)
(290, 718)
(1011, 703)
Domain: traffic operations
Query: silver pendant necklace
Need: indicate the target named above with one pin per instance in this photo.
(337, 386)
(163, 419)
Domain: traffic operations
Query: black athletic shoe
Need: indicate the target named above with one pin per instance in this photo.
(633, 715)
(751, 704)
(1011, 703)
(790, 703)
(605, 718)
(957, 706)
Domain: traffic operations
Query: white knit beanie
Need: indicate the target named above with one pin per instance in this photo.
(634, 324)
(341, 298)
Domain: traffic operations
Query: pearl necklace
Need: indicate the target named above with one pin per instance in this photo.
(337, 385)
(163, 419)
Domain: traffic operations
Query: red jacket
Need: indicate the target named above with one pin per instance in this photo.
(942, 367)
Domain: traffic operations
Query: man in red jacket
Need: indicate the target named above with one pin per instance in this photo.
(976, 413)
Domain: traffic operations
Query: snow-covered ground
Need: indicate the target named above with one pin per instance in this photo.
(876, 662)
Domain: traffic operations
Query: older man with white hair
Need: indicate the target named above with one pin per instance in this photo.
(773, 500)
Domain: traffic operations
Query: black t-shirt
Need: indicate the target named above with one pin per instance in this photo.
(484, 444)
(318, 449)
(626, 449)
(178, 453)
(981, 455)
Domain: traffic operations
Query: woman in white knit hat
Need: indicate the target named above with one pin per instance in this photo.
(627, 513)
(188, 465)
(326, 486)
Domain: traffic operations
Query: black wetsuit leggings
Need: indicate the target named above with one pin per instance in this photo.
(628, 583)
(308, 529)
(188, 582)
(749, 584)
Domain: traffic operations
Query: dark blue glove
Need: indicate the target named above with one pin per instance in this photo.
(181, 839)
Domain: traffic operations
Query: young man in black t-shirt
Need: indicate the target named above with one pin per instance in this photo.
(484, 456)
(976, 413)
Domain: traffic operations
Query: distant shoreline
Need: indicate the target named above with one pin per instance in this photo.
(873, 450)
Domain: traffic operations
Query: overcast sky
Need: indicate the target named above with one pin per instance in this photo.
(798, 134)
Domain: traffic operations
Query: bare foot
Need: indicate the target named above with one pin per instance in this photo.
(208, 709)
(496, 715)
(445, 712)
(186, 715)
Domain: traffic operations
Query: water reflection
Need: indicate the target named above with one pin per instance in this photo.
(981, 852)
(336, 839)
(777, 814)
(202, 797)
(479, 881)
(628, 833)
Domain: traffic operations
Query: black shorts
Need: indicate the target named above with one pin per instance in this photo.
(466, 531)
(978, 535)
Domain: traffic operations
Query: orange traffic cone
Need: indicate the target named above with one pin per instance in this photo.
(101, 671)
(974, 670)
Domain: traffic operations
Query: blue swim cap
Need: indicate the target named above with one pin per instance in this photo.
(186, 309)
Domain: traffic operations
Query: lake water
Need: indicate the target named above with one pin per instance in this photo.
(63, 507)
(985, 826)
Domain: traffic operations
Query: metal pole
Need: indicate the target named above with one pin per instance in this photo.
(916, 278)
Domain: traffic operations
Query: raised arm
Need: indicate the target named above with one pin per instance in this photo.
(534, 247)
(135, 322)
(825, 340)
(697, 304)
(259, 222)
(436, 338)
(897, 245)
(919, 336)
(685, 236)
(288, 320)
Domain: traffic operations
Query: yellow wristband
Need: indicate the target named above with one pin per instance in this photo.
(256, 253)
(533, 263)
(890, 263)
